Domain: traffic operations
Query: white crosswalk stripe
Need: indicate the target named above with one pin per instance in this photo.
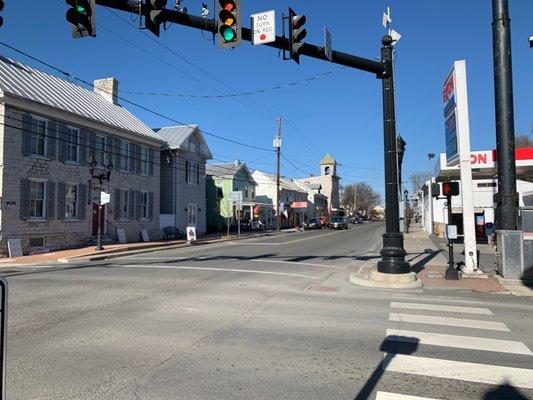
(395, 396)
(465, 371)
(438, 307)
(451, 369)
(448, 321)
(460, 342)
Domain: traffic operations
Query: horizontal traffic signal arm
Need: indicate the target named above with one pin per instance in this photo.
(209, 25)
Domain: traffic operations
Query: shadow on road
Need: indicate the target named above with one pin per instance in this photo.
(392, 345)
(419, 265)
(504, 391)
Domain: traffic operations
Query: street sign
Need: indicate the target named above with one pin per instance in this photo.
(236, 196)
(299, 204)
(263, 27)
(104, 198)
(277, 142)
(327, 44)
(191, 234)
(451, 231)
(15, 247)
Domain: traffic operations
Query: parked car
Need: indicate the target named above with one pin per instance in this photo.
(312, 223)
(338, 223)
(359, 220)
(351, 220)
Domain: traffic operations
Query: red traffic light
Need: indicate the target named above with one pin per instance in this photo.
(450, 189)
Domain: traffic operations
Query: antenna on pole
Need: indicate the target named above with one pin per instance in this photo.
(386, 21)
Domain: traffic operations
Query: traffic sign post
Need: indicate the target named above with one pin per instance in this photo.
(450, 189)
(263, 27)
(328, 44)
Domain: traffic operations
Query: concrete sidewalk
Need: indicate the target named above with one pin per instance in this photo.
(430, 263)
(89, 253)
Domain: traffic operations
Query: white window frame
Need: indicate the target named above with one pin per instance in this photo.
(144, 154)
(193, 170)
(71, 145)
(100, 153)
(125, 154)
(35, 135)
(75, 215)
(192, 214)
(144, 205)
(32, 200)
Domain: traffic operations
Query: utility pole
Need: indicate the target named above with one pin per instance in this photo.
(507, 200)
(277, 146)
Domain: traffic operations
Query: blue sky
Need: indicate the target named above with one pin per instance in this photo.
(341, 113)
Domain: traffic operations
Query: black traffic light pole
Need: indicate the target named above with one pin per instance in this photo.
(393, 252)
(507, 201)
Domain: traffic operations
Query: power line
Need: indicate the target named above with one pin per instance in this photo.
(238, 94)
(69, 75)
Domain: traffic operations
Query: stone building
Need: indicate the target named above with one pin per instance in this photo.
(183, 190)
(50, 130)
(328, 180)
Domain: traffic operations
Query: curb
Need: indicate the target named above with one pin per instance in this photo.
(384, 285)
(118, 254)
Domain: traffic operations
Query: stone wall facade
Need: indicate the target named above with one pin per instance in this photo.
(66, 223)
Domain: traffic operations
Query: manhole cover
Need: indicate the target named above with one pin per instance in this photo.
(328, 289)
(434, 276)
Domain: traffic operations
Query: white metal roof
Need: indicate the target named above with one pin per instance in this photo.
(32, 84)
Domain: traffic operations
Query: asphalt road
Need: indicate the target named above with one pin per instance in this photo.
(262, 318)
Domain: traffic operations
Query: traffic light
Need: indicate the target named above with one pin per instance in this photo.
(152, 8)
(82, 17)
(1, 8)
(450, 189)
(229, 23)
(297, 33)
(400, 148)
(435, 190)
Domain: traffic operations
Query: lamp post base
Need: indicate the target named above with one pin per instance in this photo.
(393, 255)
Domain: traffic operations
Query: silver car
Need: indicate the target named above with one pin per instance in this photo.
(338, 223)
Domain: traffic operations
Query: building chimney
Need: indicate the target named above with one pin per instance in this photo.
(108, 89)
(237, 163)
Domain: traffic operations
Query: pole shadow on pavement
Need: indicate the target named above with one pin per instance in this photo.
(392, 345)
(504, 391)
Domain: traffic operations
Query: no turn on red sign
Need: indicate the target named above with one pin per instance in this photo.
(263, 27)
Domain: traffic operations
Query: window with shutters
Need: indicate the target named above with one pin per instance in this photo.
(125, 212)
(71, 201)
(100, 154)
(144, 205)
(37, 199)
(125, 156)
(38, 136)
(143, 154)
(73, 144)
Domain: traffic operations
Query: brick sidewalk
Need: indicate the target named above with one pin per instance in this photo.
(430, 264)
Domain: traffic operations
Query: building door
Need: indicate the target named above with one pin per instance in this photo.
(95, 219)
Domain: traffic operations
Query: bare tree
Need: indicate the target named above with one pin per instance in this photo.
(524, 140)
(418, 179)
(366, 198)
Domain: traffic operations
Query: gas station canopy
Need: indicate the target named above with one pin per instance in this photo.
(485, 166)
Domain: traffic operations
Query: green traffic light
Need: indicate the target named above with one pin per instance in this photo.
(228, 34)
(81, 9)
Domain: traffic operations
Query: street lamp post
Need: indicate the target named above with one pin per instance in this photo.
(393, 252)
(430, 196)
(405, 219)
(101, 176)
